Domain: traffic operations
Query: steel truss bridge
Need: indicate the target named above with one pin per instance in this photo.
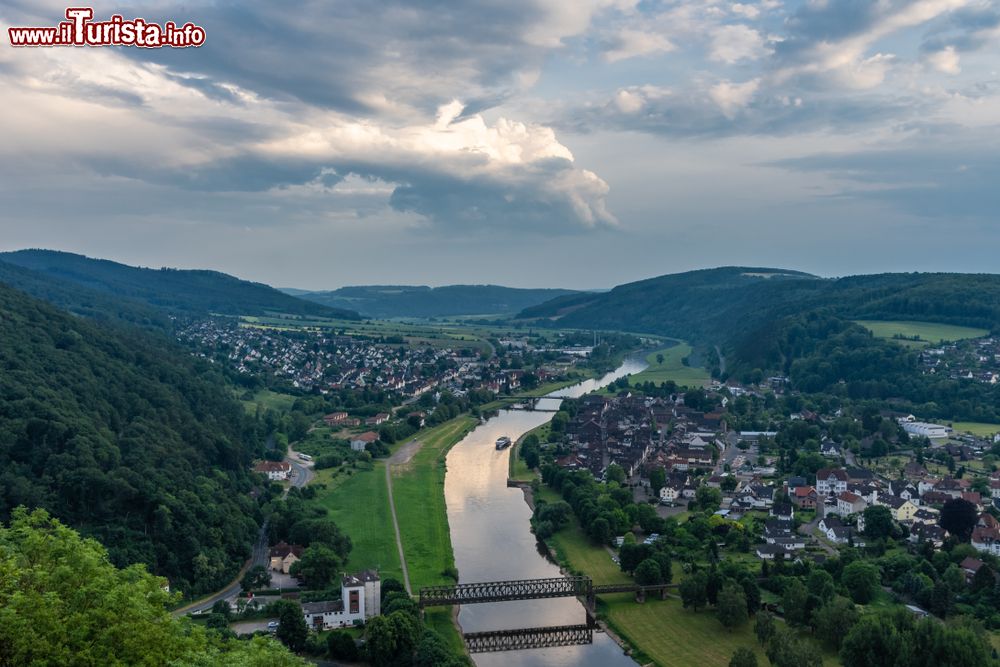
(531, 589)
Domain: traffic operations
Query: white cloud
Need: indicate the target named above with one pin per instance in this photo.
(629, 43)
(733, 43)
(946, 60)
(732, 97)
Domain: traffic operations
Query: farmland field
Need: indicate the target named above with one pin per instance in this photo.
(918, 334)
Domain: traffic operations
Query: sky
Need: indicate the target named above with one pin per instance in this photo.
(563, 143)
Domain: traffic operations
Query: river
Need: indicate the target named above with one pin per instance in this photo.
(492, 539)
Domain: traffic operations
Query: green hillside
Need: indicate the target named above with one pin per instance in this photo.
(387, 301)
(125, 437)
(192, 292)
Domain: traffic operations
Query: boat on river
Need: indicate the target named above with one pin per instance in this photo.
(503, 442)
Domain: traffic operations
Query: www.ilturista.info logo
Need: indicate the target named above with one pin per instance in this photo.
(81, 30)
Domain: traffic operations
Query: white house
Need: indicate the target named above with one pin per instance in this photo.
(360, 599)
(275, 470)
(831, 481)
(925, 429)
(669, 494)
(358, 442)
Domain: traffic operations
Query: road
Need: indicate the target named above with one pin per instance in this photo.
(302, 474)
(260, 556)
(402, 456)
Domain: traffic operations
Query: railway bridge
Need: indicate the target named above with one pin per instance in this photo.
(531, 589)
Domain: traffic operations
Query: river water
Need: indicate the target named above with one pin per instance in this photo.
(492, 539)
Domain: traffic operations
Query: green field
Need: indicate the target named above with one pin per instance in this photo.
(981, 429)
(672, 636)
(359, 504)
(269, 400)
(672, 368)
(418, 491)
(576, 551)
(922, 333)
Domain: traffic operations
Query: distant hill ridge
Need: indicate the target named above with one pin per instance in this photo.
(183, 290)
(716, 305)
(423, 301)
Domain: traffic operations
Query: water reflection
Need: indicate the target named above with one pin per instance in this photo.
(492, 539)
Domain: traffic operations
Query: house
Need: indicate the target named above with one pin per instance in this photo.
(927, 532)
(986, 535)
(359, 442)
(804, 497)
(670, 494)
(334, 418)
(380, 418)
(829, 450)
(970, 566)
(902, 510)
(360, 599)
(831, 481)
(850, 503)
(914, 471)
(284, 555)
(782, 511)
(845, 535)
(828, 522)
(274, 470)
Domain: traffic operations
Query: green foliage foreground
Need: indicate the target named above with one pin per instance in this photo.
(63, 603)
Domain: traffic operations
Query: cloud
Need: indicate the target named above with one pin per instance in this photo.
(732, 97)
(733, 43)
(946, 60)
(628, 43)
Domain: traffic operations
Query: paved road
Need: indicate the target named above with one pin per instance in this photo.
(260, 557)
(809, 530)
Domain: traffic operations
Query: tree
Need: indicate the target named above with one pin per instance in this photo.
(743, 657)
(728, 484)
(659, 358)
(292, 629)
(615, 473)
(708, 498)
(732, 605)
(317, 567)
(872, 642)
(861, 581)
(820, 585)
(764, 627)
(392, 639)
(692, 590)
(941, 599)
(657, 479)
(62, 602)
(341, 645)
(878, 522)
(787, 650)
(958, 517)
(834, 620)
(648, 573)
(600, 530)
(795, 602)
(257, 577)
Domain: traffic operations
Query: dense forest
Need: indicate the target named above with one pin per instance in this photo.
(389, 301)
(715, 305)
(191, 292)
(822, 353)
(124, 436)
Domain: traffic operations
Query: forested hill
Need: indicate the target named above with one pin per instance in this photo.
(81, 300)
(127, 438)
(184, 291)
(716, 305)
(420, 301)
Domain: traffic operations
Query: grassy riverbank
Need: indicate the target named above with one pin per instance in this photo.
(659, 632)
(672, 368)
